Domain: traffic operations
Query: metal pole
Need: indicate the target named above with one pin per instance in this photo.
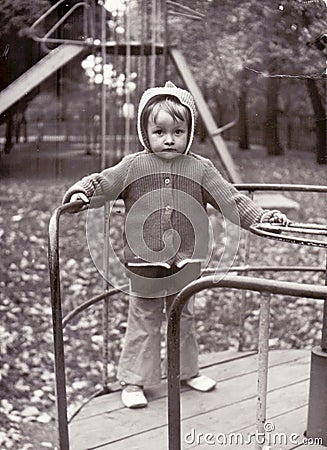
(243, 303)
(105, 310)
(173, 359)
(324, 322)
(127, 79)
(59, 356)
(103, 90)
(165, 40)
(263, 351)
(317, 409)
(153, 43)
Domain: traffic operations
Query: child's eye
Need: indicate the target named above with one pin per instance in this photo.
(178, 132)
(158, 132)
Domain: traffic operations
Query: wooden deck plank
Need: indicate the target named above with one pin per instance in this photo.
(240, 417)
(248, 361)
(92, 432)
(288, 433)
(286, 424)
(221, 420)
(102, 404)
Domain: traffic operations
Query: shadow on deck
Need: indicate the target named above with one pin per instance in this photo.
(105, 424)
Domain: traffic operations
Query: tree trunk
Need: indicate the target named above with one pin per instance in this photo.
(271, 125)
(243, 114)
(320, 119)
(9, 129)
(218, 110)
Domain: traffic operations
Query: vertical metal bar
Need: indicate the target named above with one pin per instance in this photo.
(148, 30)
(317, 408)
(165, 40)
(103, 90)
(153, 43)
(105, 310)
(173, 359)
(86, 18)
(59, 357)
(324, 322)
(263, 350)
(142, 73)
(127, 79)
(115, 126)
(243, 303)
(92, 15)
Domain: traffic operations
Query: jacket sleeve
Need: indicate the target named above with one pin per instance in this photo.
(235, 206)
(102, 187)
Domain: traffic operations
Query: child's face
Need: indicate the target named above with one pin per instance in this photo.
(167, 136)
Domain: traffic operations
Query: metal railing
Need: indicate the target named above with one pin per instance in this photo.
(237, 282)
(173, 338)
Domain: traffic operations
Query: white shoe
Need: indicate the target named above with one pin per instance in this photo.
(201, 383)
(133, 396)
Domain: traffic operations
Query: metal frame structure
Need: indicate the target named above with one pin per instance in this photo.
(239, 282)
(88, 25)
(267, 287)
(154, 41)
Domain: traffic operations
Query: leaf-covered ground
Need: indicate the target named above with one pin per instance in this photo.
(30, 190)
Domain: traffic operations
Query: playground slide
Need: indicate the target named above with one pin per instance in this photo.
(205, 114)
(56, 59)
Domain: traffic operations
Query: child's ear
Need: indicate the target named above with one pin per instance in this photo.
(169, 84)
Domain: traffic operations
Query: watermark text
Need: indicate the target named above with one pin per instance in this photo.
(267, 438)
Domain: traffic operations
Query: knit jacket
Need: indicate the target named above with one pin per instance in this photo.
(165, 200)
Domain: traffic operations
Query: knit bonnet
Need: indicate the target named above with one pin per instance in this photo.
(170, 89)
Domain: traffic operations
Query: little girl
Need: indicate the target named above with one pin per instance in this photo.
(166, 189)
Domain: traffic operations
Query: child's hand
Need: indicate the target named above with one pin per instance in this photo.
(279, 218)
(275, 216)
(79, 196)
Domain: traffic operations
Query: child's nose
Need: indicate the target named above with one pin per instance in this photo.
(169, 139)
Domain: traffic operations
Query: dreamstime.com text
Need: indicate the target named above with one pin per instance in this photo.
(268, 438)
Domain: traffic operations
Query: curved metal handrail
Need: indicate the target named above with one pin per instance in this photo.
(59, 323)
(248, 268)
(277, 232)
(92, 301)
(173, 331)
(280, 187)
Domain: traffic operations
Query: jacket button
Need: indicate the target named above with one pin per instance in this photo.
(167, 180)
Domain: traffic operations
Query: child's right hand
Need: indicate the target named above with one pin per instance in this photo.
(79, 196)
